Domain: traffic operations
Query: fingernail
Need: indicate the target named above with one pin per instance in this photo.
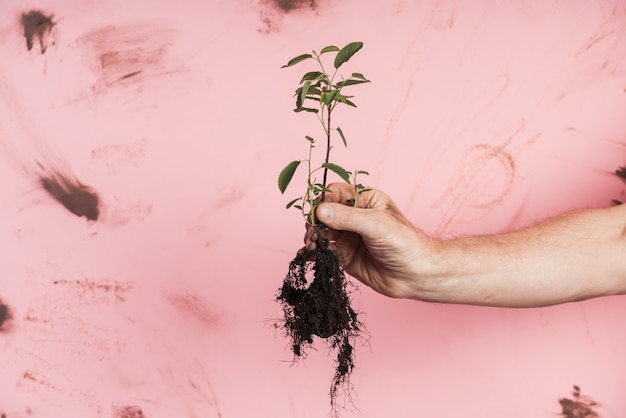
(327, 213)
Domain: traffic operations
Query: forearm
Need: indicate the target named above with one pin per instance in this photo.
(577, 256)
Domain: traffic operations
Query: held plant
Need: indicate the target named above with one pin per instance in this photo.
(315, 293)
(320, 93)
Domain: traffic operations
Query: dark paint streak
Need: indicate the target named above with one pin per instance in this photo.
(5, 317)
(274, 10)
(79, 199)
(131, 411)
(580, 406)
(37, 25)
(289, 5)
(134, 73)
(621, 173)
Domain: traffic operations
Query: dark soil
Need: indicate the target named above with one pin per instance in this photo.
(316, 303)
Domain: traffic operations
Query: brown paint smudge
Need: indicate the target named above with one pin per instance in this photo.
(116, 155)
(621, 173)
(98, 289)
(273, 10)
(130, 411)
(192, 306)
(77, 198)
(37, 26)
(289, 5)
(128, 54)
(33, 379)
(5, 317)
(579, 407)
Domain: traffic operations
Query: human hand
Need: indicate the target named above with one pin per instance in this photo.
(375, 243)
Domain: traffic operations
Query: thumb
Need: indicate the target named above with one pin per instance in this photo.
(345, 218)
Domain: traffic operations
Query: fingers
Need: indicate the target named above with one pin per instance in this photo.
(337, 212)
(345, 218)
(345, 193)
(340, 193)
(310, 238)
(314, 233)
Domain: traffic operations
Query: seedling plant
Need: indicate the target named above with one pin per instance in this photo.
(315, 293)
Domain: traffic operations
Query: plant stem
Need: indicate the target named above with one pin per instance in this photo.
(311, 217)
(327, 154)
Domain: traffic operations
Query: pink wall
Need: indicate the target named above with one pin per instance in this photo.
(176, 118)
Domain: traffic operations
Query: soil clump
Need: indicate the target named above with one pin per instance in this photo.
(315, 298)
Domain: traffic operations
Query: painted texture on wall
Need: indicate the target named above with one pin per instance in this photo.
(143, 236)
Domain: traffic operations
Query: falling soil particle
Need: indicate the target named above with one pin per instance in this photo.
(37, 26)
(321, 308)
(74, 196)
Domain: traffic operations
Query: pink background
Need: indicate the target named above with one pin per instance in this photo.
(480, 117)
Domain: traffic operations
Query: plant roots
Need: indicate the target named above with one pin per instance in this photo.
(321, 308)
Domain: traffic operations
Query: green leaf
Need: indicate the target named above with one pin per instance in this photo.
(298, 100)
(350, 82)
(340, 171)
(343, 137)
(347, 52)
(310, 139)
(301, 95)
(286, 175)
(314, 91)
(359, 75)
(344, 99)
(329, 97)
(363, 172)
(290, 204)
(329, 48)
(297, 59)
(312, 75)
(306, 109)
(321, 188)
(305, 90)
